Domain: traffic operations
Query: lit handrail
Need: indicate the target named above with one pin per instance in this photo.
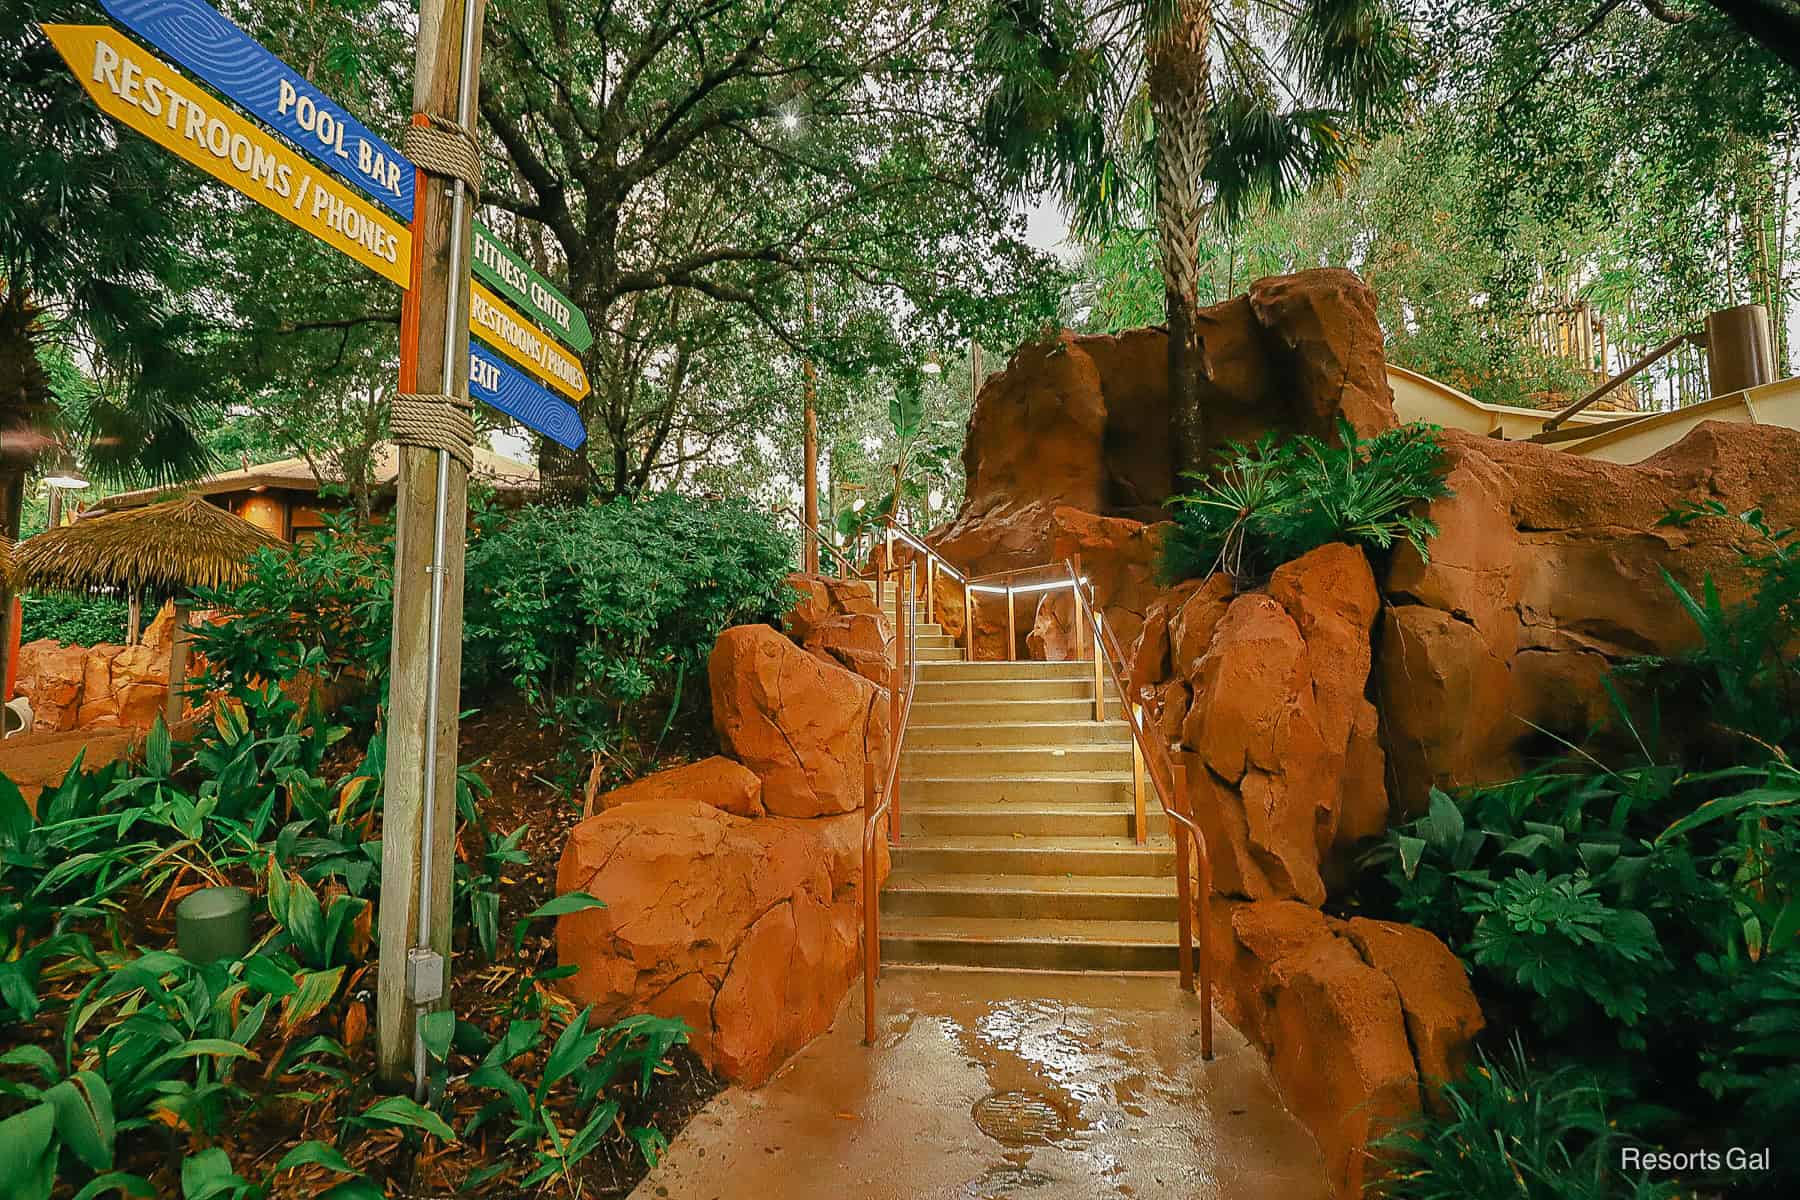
(921, 545)
(906, 666)
(1162, 777)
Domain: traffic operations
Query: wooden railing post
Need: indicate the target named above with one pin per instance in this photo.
(1136, 713)
(930, 589)
(871, 902)
(1099, 680)
(1012, 633)
(969, 621)
(896, 701)
(1079, 613)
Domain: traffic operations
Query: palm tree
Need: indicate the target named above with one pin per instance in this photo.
(94, 250)
(1190, 110)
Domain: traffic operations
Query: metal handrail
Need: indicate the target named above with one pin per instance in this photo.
(906, 667)
(819, 536)
(1149, 750)
(1162, 777)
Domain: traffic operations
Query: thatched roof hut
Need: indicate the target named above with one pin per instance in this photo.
(6, 559)
(163, 549)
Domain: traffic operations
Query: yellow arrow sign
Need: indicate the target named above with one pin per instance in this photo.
(500, 326)
(132, 86)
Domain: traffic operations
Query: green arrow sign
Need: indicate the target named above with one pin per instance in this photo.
(507, 274)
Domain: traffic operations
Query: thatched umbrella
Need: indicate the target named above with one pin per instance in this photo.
(165, 549)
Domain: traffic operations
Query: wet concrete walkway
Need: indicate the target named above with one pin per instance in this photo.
(988, 1085)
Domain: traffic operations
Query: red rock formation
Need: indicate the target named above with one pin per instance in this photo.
(1546, 571)
(749, 930)
(1278, 680)
(747, 926)
(805, 726)
(98, 687)
(718, 781)
(1358, 1018)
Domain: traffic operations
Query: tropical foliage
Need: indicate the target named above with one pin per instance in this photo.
(1636, 927)
(1265, 504)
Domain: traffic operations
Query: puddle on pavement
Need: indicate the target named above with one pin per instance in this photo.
(1021, 1118)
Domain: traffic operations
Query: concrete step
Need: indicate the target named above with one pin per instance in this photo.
(1051, 897)
(949, 762)
(1006, 855)
(937, 654)
(1000, 731)
(987, 669)
(951, 713)
(1098, 789)
(1044, 945)
(934, 639)
(936, 685)
(942, 819)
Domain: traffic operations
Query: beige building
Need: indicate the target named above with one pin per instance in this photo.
(283, 497)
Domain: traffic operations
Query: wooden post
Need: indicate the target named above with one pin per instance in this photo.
(175, 701)
(809, 442)
(1099, 668)
(434, 332)
(1012, 634)
(930, 589)
(969, 622)
(134, 619)
(871, 905)
(1184, 901)
(897, 696)
(1081, 631)
(1136, 712)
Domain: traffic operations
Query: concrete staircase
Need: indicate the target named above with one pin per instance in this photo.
(1017, 847)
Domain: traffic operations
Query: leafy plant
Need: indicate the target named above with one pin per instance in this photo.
(600, 614)
(85, 620)
(1744, 676)
(73, 1113)
(1514, 1132)
(1558, 938)
(1266, 504)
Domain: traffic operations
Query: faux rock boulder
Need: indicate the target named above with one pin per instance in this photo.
(1547, 572)
(1281, 739)
(805, 726)
(718, 781)
(748, 930)
(1362, 1020)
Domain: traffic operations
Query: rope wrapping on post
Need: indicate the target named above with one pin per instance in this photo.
(447, 150)
(436, 422)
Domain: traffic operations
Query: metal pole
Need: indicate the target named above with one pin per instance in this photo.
(1136, 712)
(1099, 654)
(968, 621)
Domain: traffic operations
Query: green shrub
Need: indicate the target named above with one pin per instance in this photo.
(87, 620)
(603, 616)
(1516, 1132)
(324, 607)
(1272, 502)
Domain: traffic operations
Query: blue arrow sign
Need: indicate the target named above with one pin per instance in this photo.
(496, 382)
(207, 43)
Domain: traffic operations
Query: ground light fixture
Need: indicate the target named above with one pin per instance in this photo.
(858, 506)
(936, 499)
(212, 924)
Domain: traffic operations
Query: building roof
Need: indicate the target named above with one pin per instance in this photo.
(296, 474)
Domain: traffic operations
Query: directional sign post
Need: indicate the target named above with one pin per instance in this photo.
(206, 42)
(133, 86)
(507, 273)
(498, 384)
(498, 325)
(209, 44)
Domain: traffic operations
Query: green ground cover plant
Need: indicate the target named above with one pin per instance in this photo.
(1632, 926)
(127, 1069)
(1270, 502)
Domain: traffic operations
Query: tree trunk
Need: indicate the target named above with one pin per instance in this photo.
(1180, 93)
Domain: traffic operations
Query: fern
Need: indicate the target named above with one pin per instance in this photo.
(1277, 499)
